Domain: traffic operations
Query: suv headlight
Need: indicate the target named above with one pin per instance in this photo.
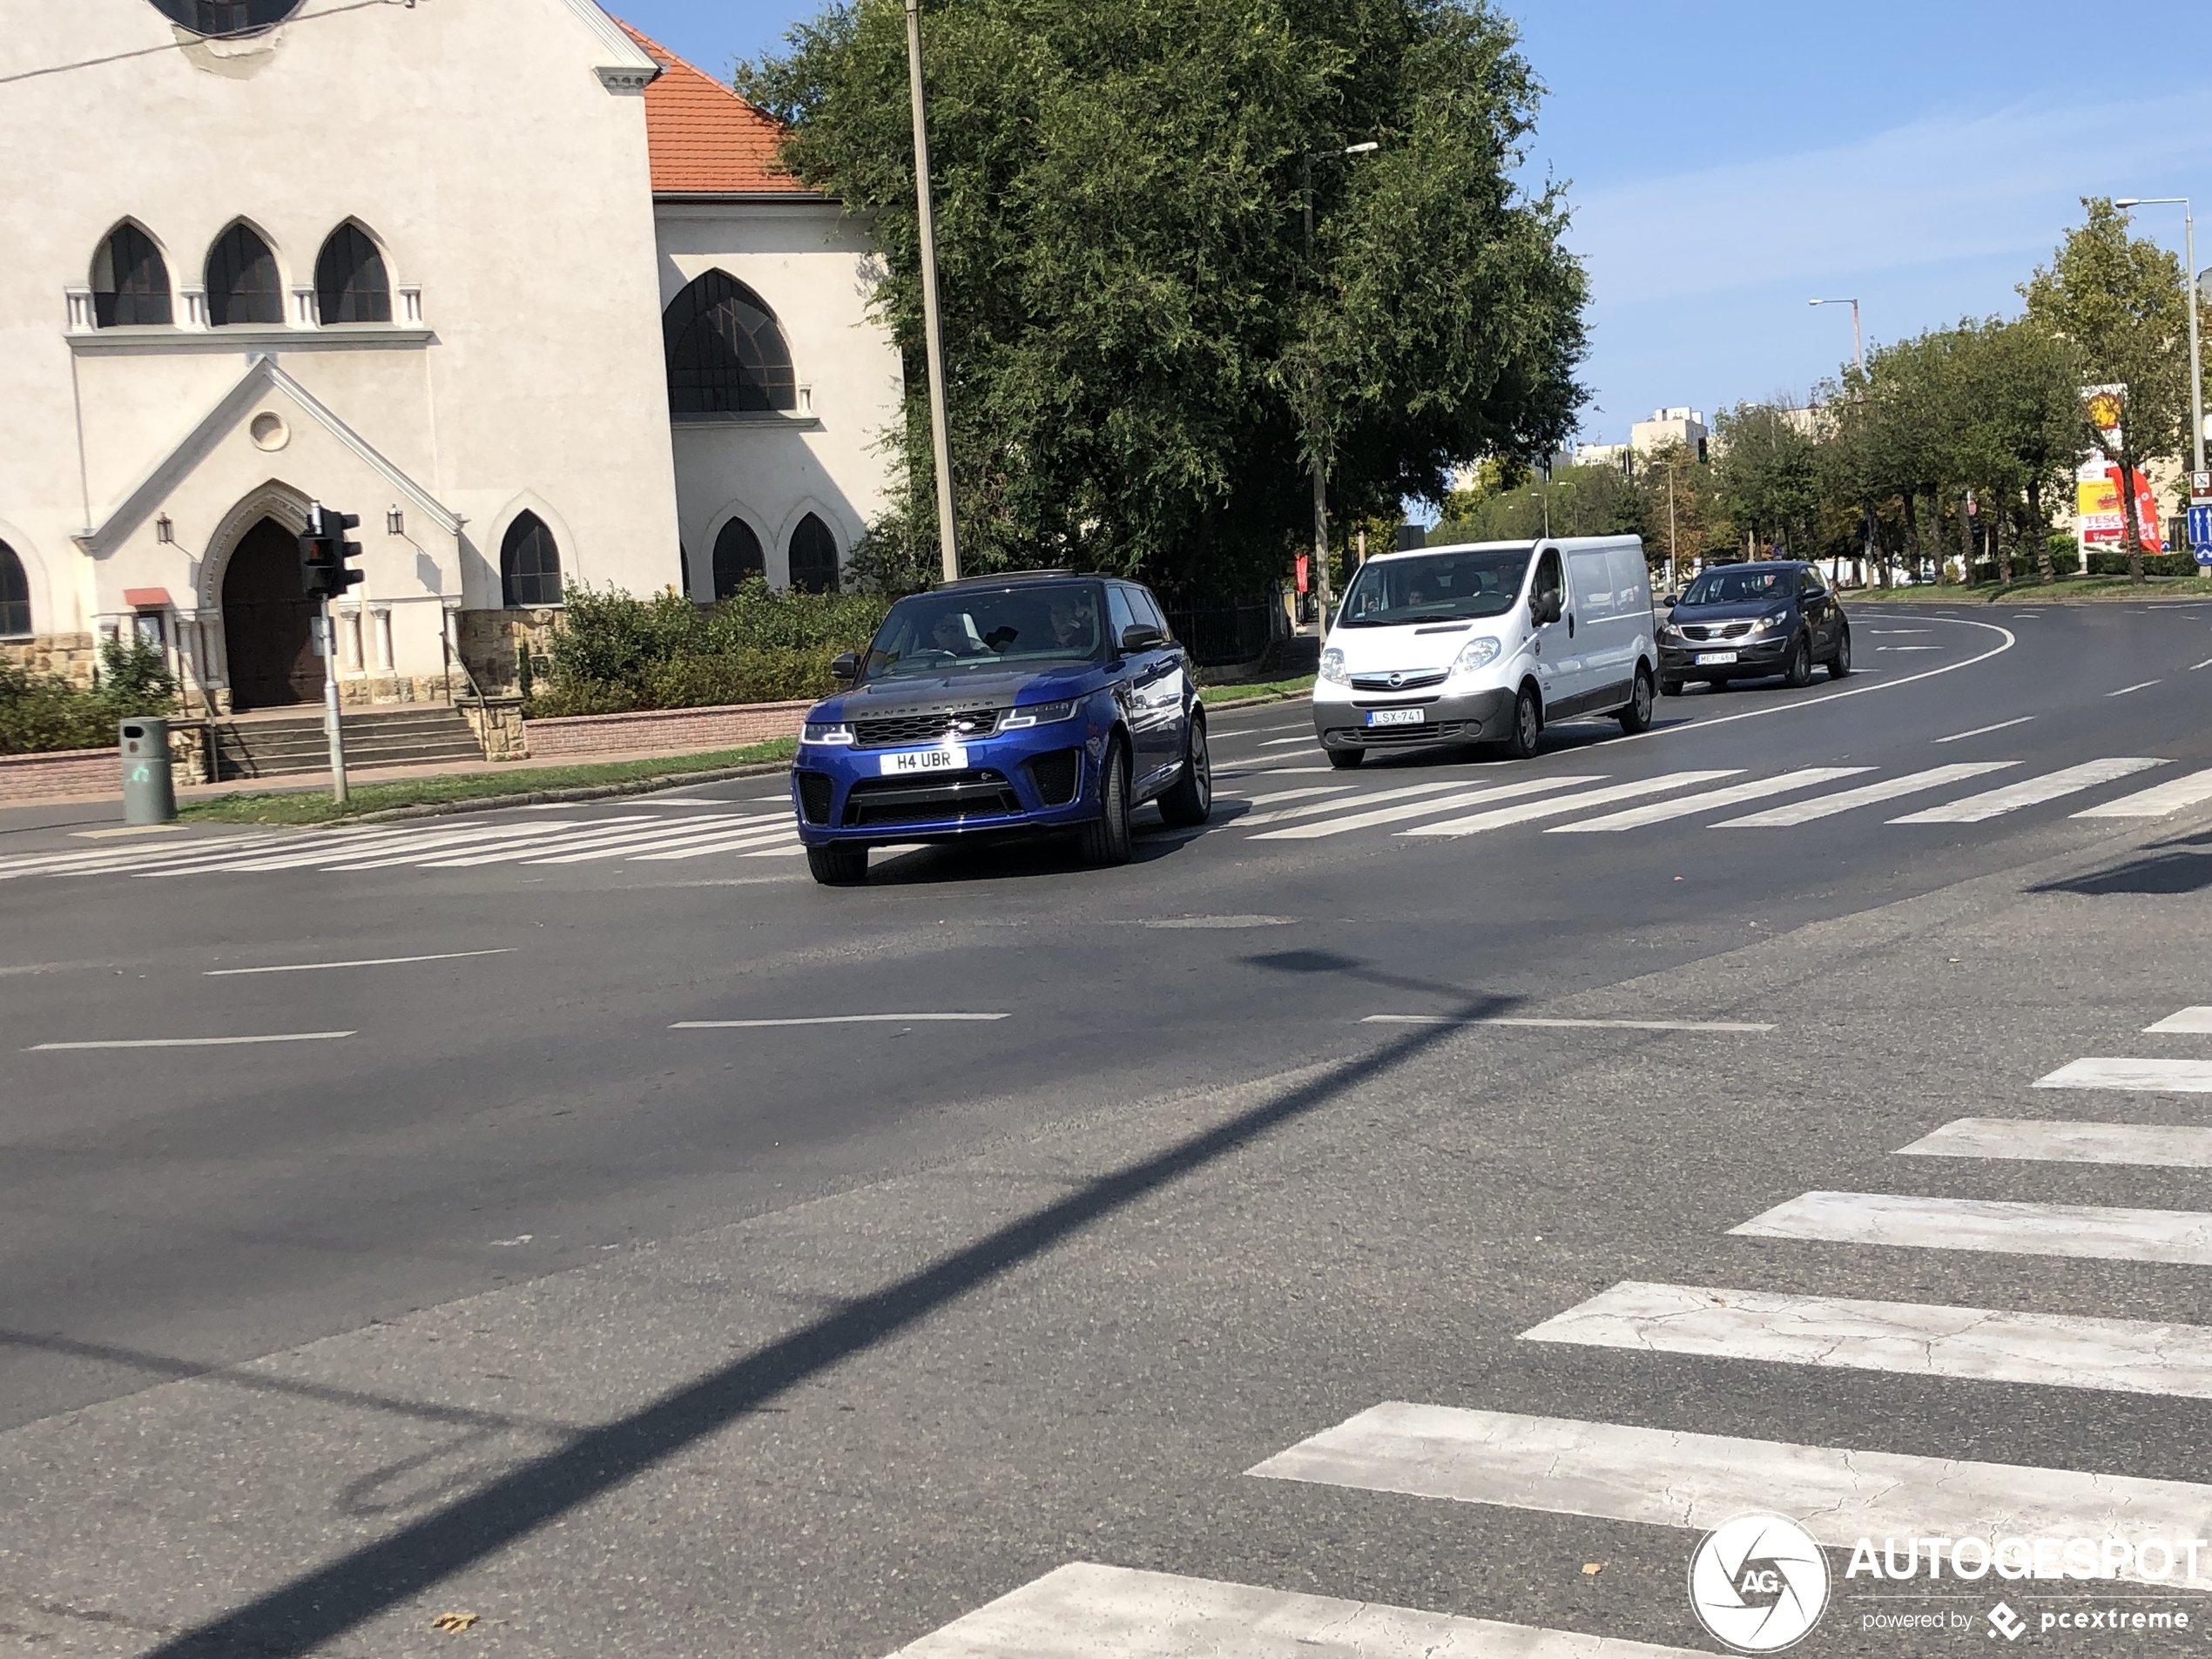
(1039, 714)
(1332, 667)
(1772, 620)
(818, 732)
(1476, 653)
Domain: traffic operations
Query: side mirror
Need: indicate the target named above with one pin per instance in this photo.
(1671, 601)
(845, 667)
(1545, 608)
(1142, 636)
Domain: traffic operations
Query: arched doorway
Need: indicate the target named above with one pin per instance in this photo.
(267, 623)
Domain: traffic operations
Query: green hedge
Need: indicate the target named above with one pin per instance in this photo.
(2154, 564)
(40, 713)
(614, 652)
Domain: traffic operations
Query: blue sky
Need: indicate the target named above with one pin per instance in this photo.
(1730, 159)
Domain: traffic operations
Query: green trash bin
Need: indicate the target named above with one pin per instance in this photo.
(149, 793)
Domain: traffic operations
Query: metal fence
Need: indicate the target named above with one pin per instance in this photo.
(1226, 635)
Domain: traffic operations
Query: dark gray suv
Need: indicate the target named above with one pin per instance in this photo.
(1748, 621)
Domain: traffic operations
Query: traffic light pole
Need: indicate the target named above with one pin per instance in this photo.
(330, 722)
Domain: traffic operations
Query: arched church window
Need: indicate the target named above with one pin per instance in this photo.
(724, 350)
(813, 556)
(350, 283)
(227, 18)
(242, 281)
(737, 556)
(529, 565)
(15, 596)
(129, 281)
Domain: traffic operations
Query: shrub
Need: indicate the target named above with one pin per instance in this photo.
(2154, 564)
(43, 712)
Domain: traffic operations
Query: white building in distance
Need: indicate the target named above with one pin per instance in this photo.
(515, 285)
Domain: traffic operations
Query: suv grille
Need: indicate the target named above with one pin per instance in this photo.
(897, 730)
(1055, 776)
(814, 790)
(1716, 631)
(979, 793)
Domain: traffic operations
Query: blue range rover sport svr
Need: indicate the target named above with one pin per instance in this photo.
(1037, 702)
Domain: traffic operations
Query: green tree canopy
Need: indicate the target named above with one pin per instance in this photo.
(1140, 357)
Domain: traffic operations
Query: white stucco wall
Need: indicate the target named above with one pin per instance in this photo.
(816, 270)
(477, 142)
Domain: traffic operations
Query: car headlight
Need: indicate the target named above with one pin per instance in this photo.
(1772, 620)
(815, 732)
(1476, 653)
(1332, 667)
(1039, 714)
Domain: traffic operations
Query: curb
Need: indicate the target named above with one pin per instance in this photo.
(580, 791)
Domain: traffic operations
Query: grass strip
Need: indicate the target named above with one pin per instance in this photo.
(1215, 696)
(313, 805)
(2080, 590)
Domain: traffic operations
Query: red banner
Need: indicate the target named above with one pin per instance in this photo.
(1302, 559)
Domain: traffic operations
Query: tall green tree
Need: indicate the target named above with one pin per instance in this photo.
(2016, 430)
(1141, 356)
(1765, 475)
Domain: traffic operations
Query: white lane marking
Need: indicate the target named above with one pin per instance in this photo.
(692, 835)
(365, 961)
(1086, 1611)
(1984, 731)
(1887, 632)
(191, 1042)
(1674, 1478)
(1370, 798)
(2138, 686)
(413, 851)
(2160, 1145)
(720, 844)
(1985, 1344)
(701, 801)
(125, 858)
(1273, 772)
(1258, 730)
(2192, 1022)
(776, 852)
(1227, 923)
(2206, 663)
(1278, 743)
(1804, 812)
(2002, 1226)
(2032, 791)
(835, 1019)
(386, 844)
(1474, 823)
(1659, 812)
(1908, 648)
(2156, 801)
(599, 835)
(1516, 1019)
(1306, 793)
(1406, 809)
(2152, 1076)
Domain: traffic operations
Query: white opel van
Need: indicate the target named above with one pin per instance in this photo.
(1486, 643)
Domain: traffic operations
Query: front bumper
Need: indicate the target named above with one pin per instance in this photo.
(1042, 778)
(1755, 657)
(1468, 716)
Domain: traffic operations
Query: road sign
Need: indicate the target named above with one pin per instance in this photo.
(2200, 528)
(2200, 482)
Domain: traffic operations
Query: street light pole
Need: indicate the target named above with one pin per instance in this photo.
(2188, 296)
(1322, 595)
(1857, 340)
(933, 325)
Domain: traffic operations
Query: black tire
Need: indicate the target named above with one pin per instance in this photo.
(1798, 674)
(1839, 664)
(1106, 838)
(1527, 724)
(1636, 718)
(1670, 686)
(1189, 800)
(838, 865)
(1346, 759)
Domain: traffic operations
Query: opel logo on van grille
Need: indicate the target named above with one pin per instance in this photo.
(1397, 680)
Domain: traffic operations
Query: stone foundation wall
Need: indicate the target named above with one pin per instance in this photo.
(385, 690)
(498, 726)
(71, 656)
(491, 640)
(665, 731)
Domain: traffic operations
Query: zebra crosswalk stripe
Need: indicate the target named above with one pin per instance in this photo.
(348, 850)
(1406, 809)
(1087, 1611)
(1659, 812)
(2003, 1226)
(2156, 801)
(2032, 791)
(1498, 819)
(606, 832)
(1254, 821)
(1986, 1344)
(110, 859)
(1676, 1478)
(2150, 1076)
(690, 837)
(2194, 1022)
(1804, 812)
(2171, 1146)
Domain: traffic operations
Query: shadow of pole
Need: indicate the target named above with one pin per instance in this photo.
(320, 1605)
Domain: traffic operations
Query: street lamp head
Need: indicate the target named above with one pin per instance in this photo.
(2128, 201)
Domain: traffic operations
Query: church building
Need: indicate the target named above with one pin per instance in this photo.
(507, 279)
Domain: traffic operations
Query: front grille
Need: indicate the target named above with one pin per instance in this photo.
(1379, 737)
(1718, 630)
(1055, 776)
(898, 731)
(815, 790)
(982, 792)
(1406, 680)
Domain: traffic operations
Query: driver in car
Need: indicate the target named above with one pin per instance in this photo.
(949, 633)
(1072, 623)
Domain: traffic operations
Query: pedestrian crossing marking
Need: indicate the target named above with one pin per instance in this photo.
(2159, 1145)
(1804, 812)
(1659, 812)
(2195, 1021)
(2032, 791)
(2156, 801)
(1087, 1611)
(2002, 1226)
(2152, 1076)
(1372, 798)
(1414, 809)
(1677, 1478)
(1982, 1345)
(1498, 818)
(1306, 793)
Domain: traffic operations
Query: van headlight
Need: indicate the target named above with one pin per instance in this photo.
(1476, 653)
(1332, 667)
(817, 731)
(1039, 714)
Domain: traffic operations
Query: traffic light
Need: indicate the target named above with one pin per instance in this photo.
(324, 551)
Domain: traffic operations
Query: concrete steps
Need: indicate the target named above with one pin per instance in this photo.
(281, 745)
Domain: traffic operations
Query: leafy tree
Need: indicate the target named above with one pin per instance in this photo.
(1140, 357)
(2015, 420)
(1765, 476)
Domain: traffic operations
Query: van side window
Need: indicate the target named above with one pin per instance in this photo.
(1549, 582)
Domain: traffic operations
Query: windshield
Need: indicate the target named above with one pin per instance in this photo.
(1482, 581)
(1740, 585)
(961, 632)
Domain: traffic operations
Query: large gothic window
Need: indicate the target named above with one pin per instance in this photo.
(737, 556)
(242, 281)
(227, 16)
(813, 556)
(529, 565)
(129, 281)
(350, 284)
(724, 351)
(15, 596)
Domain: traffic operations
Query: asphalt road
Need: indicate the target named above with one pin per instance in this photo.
(313, 1335)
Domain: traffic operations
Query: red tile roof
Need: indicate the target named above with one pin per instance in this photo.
(702, 138)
